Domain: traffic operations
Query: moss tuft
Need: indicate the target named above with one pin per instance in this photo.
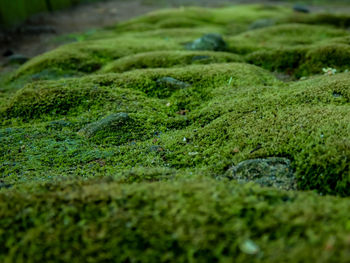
(125, 147)
(167, 59)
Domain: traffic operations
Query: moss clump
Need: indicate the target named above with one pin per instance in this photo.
(285, 35)
(303, 61)
(338, 20)
(213, 42)
(167, 59)
(90, 56)
(282, 59)
(202, 220)
(272, 121)
(333, 55)
(276, 172)
(125, 147)
(36, 100)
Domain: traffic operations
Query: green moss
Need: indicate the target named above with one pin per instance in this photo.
(303, 61)
(292, 121)
(36, 100)
(167, 59)
(281, 59)
(239, 17)
(89, 56)
(285, 35)
(338, 20)
(332, 55)
(125, 147)
(203, 220)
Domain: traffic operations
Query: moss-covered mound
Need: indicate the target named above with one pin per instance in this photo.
(143, 143)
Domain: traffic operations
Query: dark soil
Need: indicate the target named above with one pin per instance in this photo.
(41, 32)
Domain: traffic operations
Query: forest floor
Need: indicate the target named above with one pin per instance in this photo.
(189, 134)
(42, 32)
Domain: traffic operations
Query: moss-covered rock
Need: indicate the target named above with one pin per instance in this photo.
(276, 172)
(123, 145)
(213, 42)
(167, 59)
(201, 220)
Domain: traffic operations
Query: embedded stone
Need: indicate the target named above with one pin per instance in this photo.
(113, 121)
(273, 172)
(213, 42)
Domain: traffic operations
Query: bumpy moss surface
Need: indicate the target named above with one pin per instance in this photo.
(126, 147)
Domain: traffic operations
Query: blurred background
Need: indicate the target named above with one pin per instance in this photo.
(31, 27)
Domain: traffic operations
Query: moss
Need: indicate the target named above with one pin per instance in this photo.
(166, 59)
(80, 182)
(281, 59)
(332, 55)
(303, 61)
(178, 221)
(246, 123)
(36, 100)
(338, 20)
(89, 56)
(285, 35)
(240, 16)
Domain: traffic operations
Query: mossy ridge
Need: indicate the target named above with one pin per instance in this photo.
(89, 56)
(337, 20)
(61, 96)
(240, 16)
(199, 76)
(284, 35)
(172, 220)
(167, 59)
(236, 109)
(288, 121)
(303, 61)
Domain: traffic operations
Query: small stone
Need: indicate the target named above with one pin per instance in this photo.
(236, 150)
(156, 148)
(58, 124)
(249, 247)
(301, 9)
(337, 95)
(213, 42)
(17, 59)
(173, 83)
(4, 185)
(261, 23)
(113, 121)
(197, 58)
(273, 172)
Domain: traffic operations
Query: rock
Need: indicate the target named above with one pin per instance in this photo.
(172, 83)
(301, 9)
(58, 124)
(276, 172)
(213, 42)
(17, 59)
(249, 247)
(261, 23)
(4, 185)
(197, 58)
(8, 53)
(156, 148)
(337, 95)
(113, 121)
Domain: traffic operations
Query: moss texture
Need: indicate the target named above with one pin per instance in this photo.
(125, 146)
